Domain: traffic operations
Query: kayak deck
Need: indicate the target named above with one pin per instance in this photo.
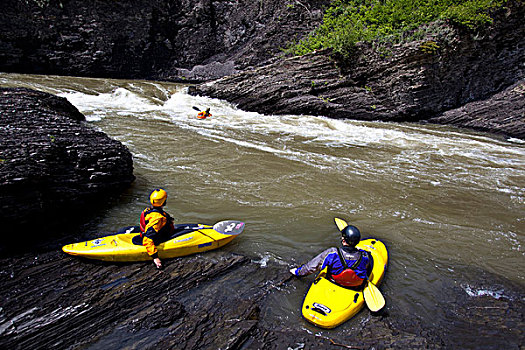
(327, 304)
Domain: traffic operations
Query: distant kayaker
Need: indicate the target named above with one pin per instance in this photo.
(347, 266)
(204, 114)
(156, 226)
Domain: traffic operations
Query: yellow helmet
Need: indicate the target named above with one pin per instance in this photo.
(158, 197)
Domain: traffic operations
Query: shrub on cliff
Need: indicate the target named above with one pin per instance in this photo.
(348, 21)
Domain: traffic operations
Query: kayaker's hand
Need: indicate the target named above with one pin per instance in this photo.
(292, 271)
(157, 263)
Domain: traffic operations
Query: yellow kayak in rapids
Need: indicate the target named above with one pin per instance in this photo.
(192, 238)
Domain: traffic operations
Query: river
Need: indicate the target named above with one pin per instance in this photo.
(443, 200)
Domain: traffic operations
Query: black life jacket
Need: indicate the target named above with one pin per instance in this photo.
(144, 222)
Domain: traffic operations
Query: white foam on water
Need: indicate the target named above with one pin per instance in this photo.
(480, 292)
(264, 261)
(413, 142)
(411, 152)
(120, 101)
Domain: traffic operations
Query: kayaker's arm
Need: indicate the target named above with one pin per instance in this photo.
(152, 251)
(155, 222)
(150, 247)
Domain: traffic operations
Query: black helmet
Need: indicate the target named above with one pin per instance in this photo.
(351, 235)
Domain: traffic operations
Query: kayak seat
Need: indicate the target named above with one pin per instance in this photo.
(137, 240)
(371, 265)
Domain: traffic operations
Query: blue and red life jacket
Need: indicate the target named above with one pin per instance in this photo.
(348, 277)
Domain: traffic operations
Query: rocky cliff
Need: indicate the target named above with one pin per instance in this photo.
(452, 77)
(157, 39)
(52, 165)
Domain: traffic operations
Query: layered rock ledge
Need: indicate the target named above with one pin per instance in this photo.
(52, 165)
(219, 300)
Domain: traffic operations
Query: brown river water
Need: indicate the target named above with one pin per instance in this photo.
(443, 200)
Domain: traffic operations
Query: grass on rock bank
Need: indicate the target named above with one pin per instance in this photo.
(347, 22)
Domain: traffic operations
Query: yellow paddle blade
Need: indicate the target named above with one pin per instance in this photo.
(341, 224)
(373, 297)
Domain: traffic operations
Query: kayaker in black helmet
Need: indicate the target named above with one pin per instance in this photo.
(347, 266)
(156, 226)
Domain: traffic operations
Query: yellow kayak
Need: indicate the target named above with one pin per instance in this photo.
(327, 304)
(120, 247)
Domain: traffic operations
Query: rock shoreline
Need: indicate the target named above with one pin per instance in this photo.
(218, 300)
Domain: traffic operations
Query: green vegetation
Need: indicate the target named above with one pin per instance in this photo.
(325, 99)
(429, 46)
(348, 21)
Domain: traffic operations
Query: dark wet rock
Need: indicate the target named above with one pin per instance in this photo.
(52, 165)
(486, 303)
(215, 301)
(450, 77)
(154, 39)
(503, 113)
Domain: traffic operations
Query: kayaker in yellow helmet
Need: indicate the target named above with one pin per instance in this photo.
(156, 226)
(347, 266)
(204, 114)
